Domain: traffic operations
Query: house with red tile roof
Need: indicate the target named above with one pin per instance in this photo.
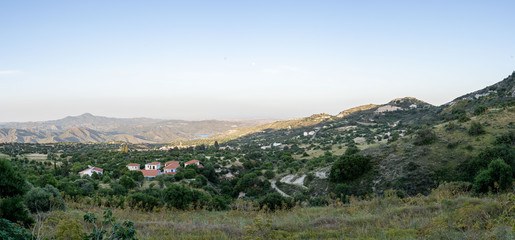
(90, 170)
(133, 166)
(195, 162)
(153, 166)
(171, 167)
(150, 173)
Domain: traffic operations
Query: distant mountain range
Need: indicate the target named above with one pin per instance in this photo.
(90, 128)
(407, 111)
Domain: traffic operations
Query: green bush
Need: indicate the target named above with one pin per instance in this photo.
(480, 110)
(476, 129)
(342, 191)
(269, 174)
(127, 182)
(274, 201)
(181, 197)
(506, 138)
(143, 201)
(349, 167)
(498, 177)
(44, 199)
(14, 210)
(11, 181)
(425, 136)
(11, 231)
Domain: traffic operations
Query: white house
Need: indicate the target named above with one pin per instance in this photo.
(153, 166)
(150, 173)
(195, 162)
(133, 166)
(90, 170)
(171, 167)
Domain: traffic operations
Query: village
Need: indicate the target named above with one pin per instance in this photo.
(150, 171)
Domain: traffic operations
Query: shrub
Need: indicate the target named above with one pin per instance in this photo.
(476, 129)
(180, 196)
(425, 136)
(124, 230)
(274, 201)
(127, 182)
(143, 201)
(69, 229)
(480, 110)
(11, 231)
(44, 199)
(507, 138)
(11, 181)
(496, 178)
(14, 210)
(349, 167)
(351, 150)
(269, 174)
(342, 190)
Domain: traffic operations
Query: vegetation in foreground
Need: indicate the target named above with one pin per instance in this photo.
(449, 212)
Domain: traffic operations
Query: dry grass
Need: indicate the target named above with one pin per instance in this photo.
(446, 213)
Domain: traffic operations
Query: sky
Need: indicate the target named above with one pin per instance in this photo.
(244, 59)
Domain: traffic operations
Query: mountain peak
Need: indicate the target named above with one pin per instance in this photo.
(407, 99)
(86, 115)
(356, 109)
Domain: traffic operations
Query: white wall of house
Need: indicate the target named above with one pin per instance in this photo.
(149, 166)
(133, 168)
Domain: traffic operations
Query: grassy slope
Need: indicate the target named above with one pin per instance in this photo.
(448, 212)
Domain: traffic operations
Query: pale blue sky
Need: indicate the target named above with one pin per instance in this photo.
(244, 59)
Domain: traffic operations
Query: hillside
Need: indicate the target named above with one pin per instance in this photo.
(90, 128)
(401, 170)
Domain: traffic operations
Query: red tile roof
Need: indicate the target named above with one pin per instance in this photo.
(192, 161)
(150, 173)
(93, 168)
(153, 163)
(172, 165)
(171, 162)
(133, 165)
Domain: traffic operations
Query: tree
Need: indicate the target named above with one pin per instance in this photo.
(12, 188)
(127, 182)
(425, 136)
(11, 181)
(496, 178)
(351, 150)
(14, 210)
(274, 201)
(9, 230)
(44, 199)
(269, 174)
(135, 175)
(180, 196)
(349, 167)
(476, 129)
(217, 146)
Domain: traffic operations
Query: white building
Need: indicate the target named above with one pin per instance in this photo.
(133, 166)
(153, 166)
(90, 170)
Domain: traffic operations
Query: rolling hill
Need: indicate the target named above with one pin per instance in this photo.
(90, 128)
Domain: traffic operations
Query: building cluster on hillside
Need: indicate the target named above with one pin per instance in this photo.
(166, 148)
(151, 170)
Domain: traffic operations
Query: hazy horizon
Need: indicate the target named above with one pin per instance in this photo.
(232, 60)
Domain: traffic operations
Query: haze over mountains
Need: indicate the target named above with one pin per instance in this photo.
(89, 128)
